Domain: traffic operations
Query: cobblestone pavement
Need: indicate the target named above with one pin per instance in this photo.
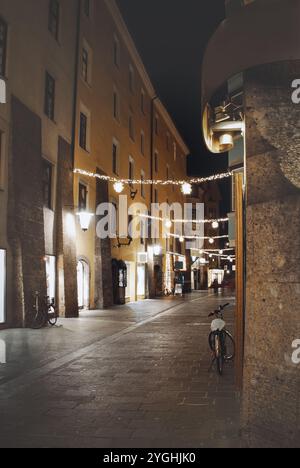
(135, 376)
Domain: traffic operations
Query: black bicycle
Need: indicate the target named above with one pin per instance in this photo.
(220, 340)
(43, 312)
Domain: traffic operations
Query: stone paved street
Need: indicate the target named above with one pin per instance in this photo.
(134, 376)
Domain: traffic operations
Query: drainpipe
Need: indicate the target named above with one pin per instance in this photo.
(152, 144)
(75, 90)
(151, 269)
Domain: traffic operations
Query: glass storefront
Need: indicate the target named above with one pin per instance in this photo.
(2, 284)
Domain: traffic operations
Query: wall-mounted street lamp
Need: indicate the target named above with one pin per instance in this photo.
(85, 219)
(124, 241)
(133, 193)
(222, 126)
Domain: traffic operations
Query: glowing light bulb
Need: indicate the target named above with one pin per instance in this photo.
(215, 225)
(186, 188)
(118, 187)
(181, 239)
(211, 241)
(168, 224)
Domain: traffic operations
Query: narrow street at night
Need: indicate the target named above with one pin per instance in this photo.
(132, 376)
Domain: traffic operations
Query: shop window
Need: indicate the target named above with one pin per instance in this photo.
(82, 197)
(2, 285)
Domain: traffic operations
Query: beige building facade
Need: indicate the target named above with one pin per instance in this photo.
(77, 97)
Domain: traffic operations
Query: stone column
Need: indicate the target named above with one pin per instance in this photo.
(103, 260)
(271, 392)
(25, 214)
(66, 234)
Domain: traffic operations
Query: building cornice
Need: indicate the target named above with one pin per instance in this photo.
(129, 43)
(170, 123)
(138, 63)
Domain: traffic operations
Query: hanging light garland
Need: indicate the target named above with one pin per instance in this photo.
(213, 222)
(176, 236)
(186, 185)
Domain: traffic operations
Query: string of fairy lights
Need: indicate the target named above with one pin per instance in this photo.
(186, 188)
(186, 185)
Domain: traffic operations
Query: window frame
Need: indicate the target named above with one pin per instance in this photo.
(3, 72)
(115, 156)
(55, 17)
(84, 185)
(49, 203)
(143, 178)
(131, 168)
(49, 79)
(116, 52)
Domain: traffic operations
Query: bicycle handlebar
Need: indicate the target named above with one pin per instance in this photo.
(216, 312)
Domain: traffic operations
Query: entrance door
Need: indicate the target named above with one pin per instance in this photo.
(141, 282)
(83, 284)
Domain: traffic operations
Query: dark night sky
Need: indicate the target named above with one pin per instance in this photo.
(171, 36)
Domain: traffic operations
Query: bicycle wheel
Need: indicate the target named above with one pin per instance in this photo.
(38, 320)
(219, 354)
(52, 316)
(229, 346)
(211, 341)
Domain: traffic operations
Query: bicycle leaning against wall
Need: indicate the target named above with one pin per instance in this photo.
(44, 311)
(220, 340)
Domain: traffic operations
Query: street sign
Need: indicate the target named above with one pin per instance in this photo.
(2, 92)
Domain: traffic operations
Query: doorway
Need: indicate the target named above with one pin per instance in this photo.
(83, 284)
(141, 282)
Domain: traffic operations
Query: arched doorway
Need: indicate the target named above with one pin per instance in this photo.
(83, 284)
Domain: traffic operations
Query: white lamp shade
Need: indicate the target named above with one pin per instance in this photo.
(85, 219)
(226, 142)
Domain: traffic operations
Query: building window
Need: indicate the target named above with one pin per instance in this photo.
(87, 8)
(47, 184)
(168, 141)
(2, 159)
(54, 12)
(156, 161)
(2, 284)
(156, 125)
(83, 131)
(143, 98)
(168, 173)
(116, 105)
(175, 151)
(116, 52)
(143, 143)
(131, 79)
(115, 157)
(131, 168)
(82, 197)
(3, 46)
(143, 185)
(85, 64)
(49, 96)
(131, 127)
